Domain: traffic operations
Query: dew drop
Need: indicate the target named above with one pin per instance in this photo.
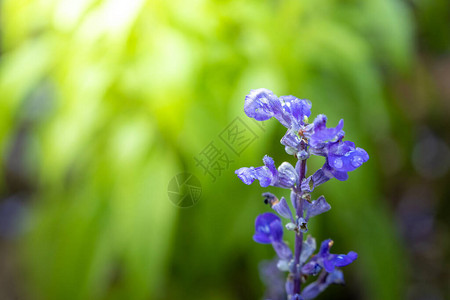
(338, 163)
(339, 258)
(265, 229)
(357, 161)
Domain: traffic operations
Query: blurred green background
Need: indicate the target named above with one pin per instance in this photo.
(104, 102)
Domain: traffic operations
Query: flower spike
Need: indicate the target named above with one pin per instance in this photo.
(302, 139)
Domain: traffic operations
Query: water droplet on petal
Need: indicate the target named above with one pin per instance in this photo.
(357, 161)
(338, 163)
(265, 229)
(339, 258)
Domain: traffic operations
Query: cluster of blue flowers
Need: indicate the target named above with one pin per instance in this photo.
(301, 140)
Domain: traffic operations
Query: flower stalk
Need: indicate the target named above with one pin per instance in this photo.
(299, 235)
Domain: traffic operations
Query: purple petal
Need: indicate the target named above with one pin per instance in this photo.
(330, 172)
(312, 290)
(267, 174)
(301, 108)
(348, 161)
(270, 164)
(264, 176)
(257, 104)
(322, 134)
(276, 230)
(298, 108)
(308, 248)
(272, 278)
(247, 175)
(289, 286)
(328, 265)
(287, 176)
(317, 207)
(305, 205)
(294, 199)
(342, 260)
(280, 113)
(291, 139)
(298, 166)
(261, 238)
(330, 261)
(306, 185)
(282, 208)
(325, 246)
(336, 277)
(319, 177)
(339, 260)
(282, 250)
(311, 268)
(290, 150)
(266, 219)
(297, 297)
(340, 148)
(268, 228)
(310, 183)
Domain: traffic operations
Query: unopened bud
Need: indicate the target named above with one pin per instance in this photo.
(290, 226)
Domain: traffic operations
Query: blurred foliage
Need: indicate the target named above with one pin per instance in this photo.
(110, 99)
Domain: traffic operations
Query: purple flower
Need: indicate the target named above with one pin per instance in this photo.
(287, 176)
(322, 134)
(310, 183)
(345, 157)
(291, 141)
(341, 157)
(329, 172)
(268, 175)
(308, 248)
(280, 206)
(262, 104)
(294, 197)
(318, 286)
(324, 259)
(258, 104)
(268, 229)
(330, 261)
(298, 109)
(316, 207)
(273, 279)
(282, 250)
